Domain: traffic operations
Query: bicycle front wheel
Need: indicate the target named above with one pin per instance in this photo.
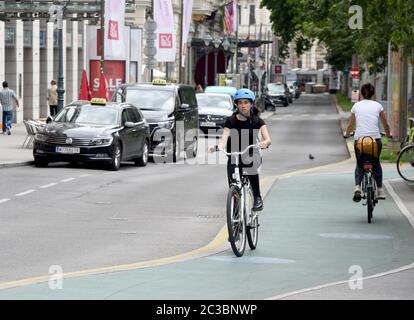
(236, 224)
(405, 163)
(252, 226)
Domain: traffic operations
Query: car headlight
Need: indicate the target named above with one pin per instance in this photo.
(40, 137)
(166, 124)
(102, 141)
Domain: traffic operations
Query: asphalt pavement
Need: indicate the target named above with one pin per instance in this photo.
(157, 232)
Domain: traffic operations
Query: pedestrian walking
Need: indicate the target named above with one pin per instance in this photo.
(199, 89)
(52, 98)
(7, 96)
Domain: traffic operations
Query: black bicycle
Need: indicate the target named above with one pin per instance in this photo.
(369, 186)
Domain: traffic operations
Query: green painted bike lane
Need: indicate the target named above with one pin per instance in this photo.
(311, 234)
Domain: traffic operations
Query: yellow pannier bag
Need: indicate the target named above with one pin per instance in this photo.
(367, 146)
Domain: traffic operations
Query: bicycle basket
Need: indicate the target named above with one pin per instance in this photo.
(367, 147)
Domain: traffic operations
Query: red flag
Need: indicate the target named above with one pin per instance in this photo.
(103, 88)
(85, 92)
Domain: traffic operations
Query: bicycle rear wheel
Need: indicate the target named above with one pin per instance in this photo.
(370, 203)
(236, 224)
(252, 227)
(405, 163)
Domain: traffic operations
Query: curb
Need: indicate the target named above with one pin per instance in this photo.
(16, 164)
(341, 112)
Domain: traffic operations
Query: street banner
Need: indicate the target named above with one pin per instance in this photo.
(187, 17)
(230, 17)
(114, 30)
(114, 72)
(166, 38)
(85, 91)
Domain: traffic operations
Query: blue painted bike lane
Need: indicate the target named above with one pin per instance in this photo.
(311, 233)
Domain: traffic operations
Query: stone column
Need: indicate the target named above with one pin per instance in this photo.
(31, 70)
(72, 62)
(14, 66)
(46, 66)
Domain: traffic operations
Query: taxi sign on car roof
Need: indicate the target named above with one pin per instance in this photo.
(98, 101)
(159, 82)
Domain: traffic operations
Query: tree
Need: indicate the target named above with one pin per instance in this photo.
(384, 21)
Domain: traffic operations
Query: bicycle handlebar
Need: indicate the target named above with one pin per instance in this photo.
(256, 146)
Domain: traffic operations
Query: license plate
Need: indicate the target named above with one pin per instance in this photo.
(67, 150)
(207, 124)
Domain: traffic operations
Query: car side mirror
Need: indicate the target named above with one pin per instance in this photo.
(185, 106)
(49, 120)
(129, 124)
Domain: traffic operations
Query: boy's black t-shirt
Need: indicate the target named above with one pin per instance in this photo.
(245, 132)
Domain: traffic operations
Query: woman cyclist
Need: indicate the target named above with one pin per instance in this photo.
(241, 130)
(366, 114)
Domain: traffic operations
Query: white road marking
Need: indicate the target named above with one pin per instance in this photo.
(68, 180)
(400, 203)
(48, 185)
(25, 193)
(85, 176)
(378, 275)
(4, 200)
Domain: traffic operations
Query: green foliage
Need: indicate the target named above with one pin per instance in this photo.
(344, 102)
(384, 21)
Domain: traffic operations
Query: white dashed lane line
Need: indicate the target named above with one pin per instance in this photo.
(25, 193)
(48, 185)
(67, 180)
(4, 200)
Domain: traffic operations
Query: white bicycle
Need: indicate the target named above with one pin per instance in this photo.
(242, 221)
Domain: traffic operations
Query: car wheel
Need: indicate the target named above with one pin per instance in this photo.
(116, 157)
(142, 161)
(40, 163)
(192, 152)
(285, 104)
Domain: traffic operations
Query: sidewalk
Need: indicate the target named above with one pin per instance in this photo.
(13, 155)
(11, 152)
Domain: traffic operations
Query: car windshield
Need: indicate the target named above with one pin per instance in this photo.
(211, 101)
(151, 99)
(276, 88)
(95, 115)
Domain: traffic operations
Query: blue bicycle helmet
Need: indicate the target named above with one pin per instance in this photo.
(244, 94)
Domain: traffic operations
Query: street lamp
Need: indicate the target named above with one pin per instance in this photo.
(216, 44)
(207, 39)
(226, 47)
(56, 14)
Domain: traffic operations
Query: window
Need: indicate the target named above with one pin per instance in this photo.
(239, 13)
(300, 64)
(42, 39)
(27, 38)
(10, 37)
(252, 15)
(187, 96)
(132, 116)
(319, 65)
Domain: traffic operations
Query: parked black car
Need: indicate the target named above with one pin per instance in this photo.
(276, 93)
(94, 131)
(172, 113)
(214, 109)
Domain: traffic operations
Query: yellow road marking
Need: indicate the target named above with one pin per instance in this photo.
(218, 242)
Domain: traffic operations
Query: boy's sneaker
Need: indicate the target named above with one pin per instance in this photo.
(357, 194)
(381, 194)
(8, 131)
